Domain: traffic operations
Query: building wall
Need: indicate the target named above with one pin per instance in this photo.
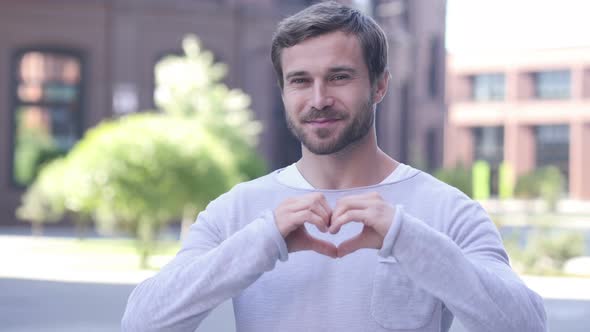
(521, 111)
(74, 25)
(411, 110)
(122, 40)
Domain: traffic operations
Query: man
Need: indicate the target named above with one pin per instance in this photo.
(346, 239)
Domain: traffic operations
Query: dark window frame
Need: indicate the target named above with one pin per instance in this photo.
(540, 91)
(14, 100)
(492, 95)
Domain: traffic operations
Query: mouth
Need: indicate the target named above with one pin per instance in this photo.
(322, 122)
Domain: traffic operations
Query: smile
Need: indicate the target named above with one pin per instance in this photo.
(322, 122)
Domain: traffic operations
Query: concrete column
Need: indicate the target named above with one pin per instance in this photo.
(458, 146)
(519, 148)
(586, 83)
(577, 83)
(511, 89)
(460, 87)
(579, 182)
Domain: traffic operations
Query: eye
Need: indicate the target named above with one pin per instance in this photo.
(298, 81)
(340, 77)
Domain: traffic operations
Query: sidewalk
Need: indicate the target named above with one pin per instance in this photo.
(21, 261)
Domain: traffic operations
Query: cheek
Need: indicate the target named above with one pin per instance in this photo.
(293, 104)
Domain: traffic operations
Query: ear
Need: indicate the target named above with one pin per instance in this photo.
(381, 87)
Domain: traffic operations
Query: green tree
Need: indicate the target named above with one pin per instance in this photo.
(190, 85)
(44, 200)
(141, 171)
(152, 169)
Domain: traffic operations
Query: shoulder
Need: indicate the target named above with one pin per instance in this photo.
(445, 199)
(245, 190)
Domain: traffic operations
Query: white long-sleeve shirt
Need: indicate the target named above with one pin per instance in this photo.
(442, 258)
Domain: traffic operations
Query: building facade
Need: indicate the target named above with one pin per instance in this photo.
(530, 109)
(65, 65)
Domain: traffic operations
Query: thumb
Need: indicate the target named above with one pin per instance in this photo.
(365, 239)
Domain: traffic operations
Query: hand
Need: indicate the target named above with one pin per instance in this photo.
(369, 209)
(291, 215)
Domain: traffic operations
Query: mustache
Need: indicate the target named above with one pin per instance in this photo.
(325, 114)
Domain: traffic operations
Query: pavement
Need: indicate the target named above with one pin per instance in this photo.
(37, 296)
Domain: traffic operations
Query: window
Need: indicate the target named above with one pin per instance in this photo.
(365, 6)
(434, 67)
(488, 87)
(46, 110)
(489, 144)
(552, 84)
(552, 147)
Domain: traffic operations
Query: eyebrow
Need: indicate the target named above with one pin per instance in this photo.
(337, 69)
(295, 73)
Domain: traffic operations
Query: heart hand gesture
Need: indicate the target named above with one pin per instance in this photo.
(369, 209)
(291, 215)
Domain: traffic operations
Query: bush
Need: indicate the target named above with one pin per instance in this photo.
(546, 183)
(458, 177)
(547, 252)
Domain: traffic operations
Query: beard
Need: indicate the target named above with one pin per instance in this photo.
(324, 141)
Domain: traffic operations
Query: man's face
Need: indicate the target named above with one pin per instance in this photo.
(327, 92)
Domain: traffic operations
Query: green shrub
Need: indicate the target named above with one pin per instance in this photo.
(546, 183)
(458, 177)
(547, 252)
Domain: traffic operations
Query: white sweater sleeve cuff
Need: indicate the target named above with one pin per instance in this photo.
(273, 231)
(389, 240)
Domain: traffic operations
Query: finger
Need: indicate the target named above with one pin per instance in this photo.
(322, 247)
(346, 217)
(351, 203)
(366, 239)
(326, 207)
(303, 216)
(369, 196)
(319, 209)
(303, 202)
(317, 203)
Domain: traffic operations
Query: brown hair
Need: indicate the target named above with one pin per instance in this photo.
(328, 17)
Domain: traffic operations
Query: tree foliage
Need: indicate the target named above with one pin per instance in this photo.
(141, 171)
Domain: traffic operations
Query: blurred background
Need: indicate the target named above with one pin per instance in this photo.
(121, 119)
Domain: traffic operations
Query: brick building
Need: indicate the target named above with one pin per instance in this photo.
(65, 65)
(529, 108)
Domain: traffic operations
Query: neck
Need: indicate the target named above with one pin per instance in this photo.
(358, 165)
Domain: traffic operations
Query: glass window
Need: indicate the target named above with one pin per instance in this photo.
(366, 6)
(489, 144)
(47, 87)
(552, 147)
(488, 87)
(552, 84)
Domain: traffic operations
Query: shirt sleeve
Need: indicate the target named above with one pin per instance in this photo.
(467, 268)
(208, 270)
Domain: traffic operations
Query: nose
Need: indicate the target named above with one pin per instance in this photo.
(321, 97)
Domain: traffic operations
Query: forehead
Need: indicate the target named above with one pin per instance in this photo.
(322, 52)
